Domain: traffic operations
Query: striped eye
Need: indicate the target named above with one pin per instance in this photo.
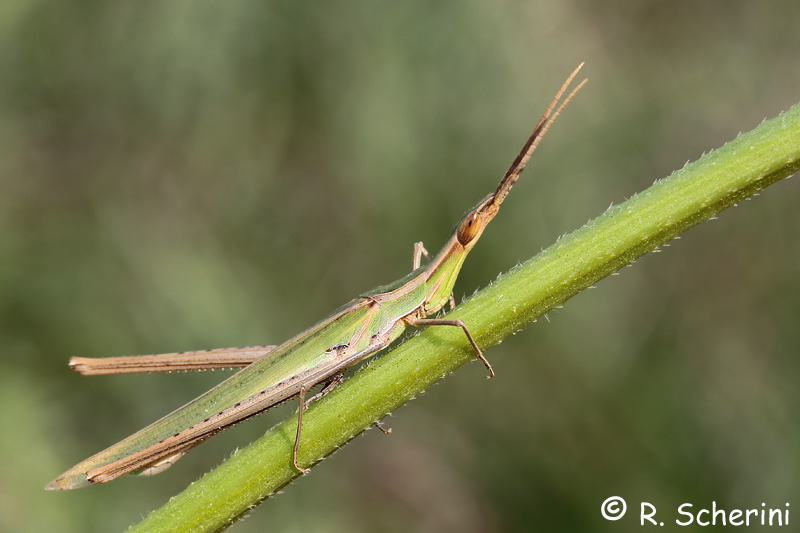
(469, 228)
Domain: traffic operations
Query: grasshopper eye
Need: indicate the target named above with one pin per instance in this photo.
(469, 228)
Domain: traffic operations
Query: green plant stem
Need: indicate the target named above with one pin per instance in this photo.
(623, 233)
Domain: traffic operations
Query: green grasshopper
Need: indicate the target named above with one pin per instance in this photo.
(273, 374)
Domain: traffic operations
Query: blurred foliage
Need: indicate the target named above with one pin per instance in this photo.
(191, 175)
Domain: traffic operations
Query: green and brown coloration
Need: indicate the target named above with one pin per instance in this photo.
(272, 375)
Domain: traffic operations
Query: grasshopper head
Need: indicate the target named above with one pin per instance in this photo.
(444, 268)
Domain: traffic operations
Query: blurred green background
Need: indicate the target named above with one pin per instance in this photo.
(188, 175)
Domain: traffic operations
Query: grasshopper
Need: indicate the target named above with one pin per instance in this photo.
(273, 374)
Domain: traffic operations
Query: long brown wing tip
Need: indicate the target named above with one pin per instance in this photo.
(92, 366)
(215, 359)
(87, 366)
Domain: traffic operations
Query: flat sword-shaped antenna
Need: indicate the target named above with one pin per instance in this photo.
(441, 272)
(516, 168)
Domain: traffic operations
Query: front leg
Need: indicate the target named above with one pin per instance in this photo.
(419, 251)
